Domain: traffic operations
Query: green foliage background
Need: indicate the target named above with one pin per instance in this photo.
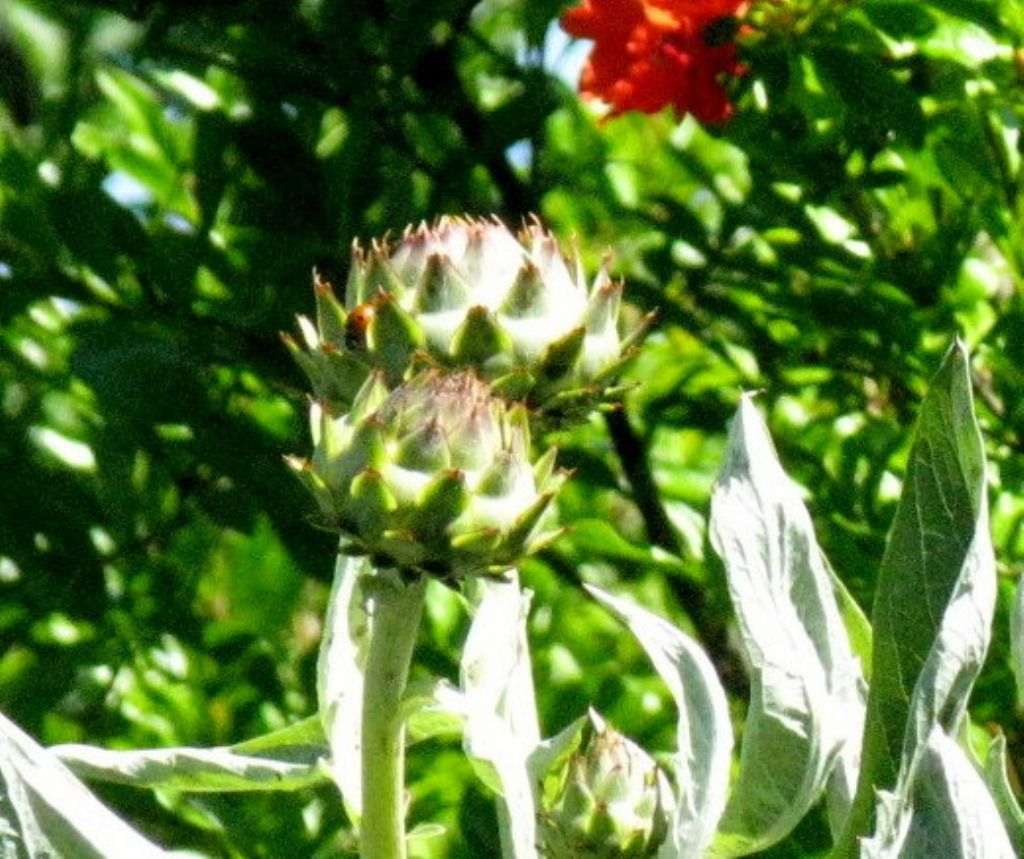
(170, 174)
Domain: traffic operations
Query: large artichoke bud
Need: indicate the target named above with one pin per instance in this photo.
(466, 293)
(607, 800)
(431, 477)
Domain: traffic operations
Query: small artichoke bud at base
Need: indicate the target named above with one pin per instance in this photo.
(467, 293)
(432, 477)
(607, 800)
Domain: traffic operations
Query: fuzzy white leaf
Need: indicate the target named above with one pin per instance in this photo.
(501, 730)
(340, 670)
(934, 598)
(940, 808)
(551, 752)
(807, 691)
(289, 759)
(892, 825)
(996, 779)
(958, 651)
(46, 812)
(704, 732)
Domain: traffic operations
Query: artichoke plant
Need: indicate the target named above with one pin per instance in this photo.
(432, 477)
(607, 800)
(468, 293)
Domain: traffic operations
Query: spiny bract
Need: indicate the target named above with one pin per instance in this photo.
(466, 293)
(432, 477)
(606, 801)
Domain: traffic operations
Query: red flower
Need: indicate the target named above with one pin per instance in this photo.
(652, 53)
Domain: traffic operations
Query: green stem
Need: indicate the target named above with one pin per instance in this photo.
(395, 609)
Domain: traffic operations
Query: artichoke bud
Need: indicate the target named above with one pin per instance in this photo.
(605, 799)
(425, 449)
(370, 275)
(562, 354)
(372, 503)
(330, 315)
(481, 342)
(468, 294)
(432, 477)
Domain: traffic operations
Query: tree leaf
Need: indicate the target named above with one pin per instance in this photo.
(433, 708)
(46, 812)
(807, 692)
(704, 732)
(940, 808)
(598, 538)
(1017, 640)
(861, 78)
(935, 595)
(289, 759)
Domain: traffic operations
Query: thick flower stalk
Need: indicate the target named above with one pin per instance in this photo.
(466, 293)
(433, 477)
(606, 801)
(448, 348)
(651, 54)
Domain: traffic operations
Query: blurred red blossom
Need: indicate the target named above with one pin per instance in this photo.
(652, 53)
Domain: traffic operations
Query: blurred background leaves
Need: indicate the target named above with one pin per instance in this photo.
(170, 175)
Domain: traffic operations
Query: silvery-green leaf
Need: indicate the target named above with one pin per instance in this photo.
(940, 808)
(842, 785)
(1017, 640)
(935, 594)
(551, 753)
(858, 627)
(704, 732)
(995, 775)
(46, 812)
(501, 730)
(804, 723)
(289, 759)
(340, 669)
(958, 651)
(892, 817)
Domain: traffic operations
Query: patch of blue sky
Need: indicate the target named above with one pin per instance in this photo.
(560, 55)
(127, 191)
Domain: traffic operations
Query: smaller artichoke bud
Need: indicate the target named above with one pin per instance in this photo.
(469, 294)
(431, 477)
(607, 800)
